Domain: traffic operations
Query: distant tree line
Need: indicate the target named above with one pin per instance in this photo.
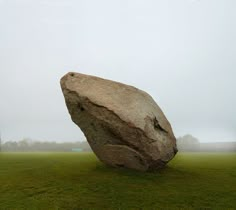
(188, 143)
(28, 145)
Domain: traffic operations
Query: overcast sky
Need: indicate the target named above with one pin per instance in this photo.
(182, 52)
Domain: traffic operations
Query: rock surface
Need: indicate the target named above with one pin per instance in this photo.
(123, 125)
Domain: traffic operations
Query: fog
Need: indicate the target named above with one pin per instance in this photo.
(181, 52)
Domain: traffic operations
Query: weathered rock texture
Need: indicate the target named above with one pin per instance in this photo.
(123, 125)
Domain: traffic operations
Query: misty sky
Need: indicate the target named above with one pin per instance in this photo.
(181, 52)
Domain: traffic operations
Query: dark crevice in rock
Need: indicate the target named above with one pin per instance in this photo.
(120, 165)
(81, 108)
(158, 126)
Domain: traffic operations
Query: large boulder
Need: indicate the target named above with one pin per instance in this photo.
(123, 125)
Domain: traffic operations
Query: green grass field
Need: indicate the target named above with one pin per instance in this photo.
(79, 181)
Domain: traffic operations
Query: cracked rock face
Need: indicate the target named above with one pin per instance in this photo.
(123, 125)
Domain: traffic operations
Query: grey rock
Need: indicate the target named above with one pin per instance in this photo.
(123, 125)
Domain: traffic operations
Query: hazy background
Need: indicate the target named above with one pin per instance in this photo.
(181, 52)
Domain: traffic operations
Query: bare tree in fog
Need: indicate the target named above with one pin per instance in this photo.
(188, 143)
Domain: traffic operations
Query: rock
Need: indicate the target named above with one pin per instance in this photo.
(123, 125)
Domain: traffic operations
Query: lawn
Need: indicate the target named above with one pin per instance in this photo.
(79, 181)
